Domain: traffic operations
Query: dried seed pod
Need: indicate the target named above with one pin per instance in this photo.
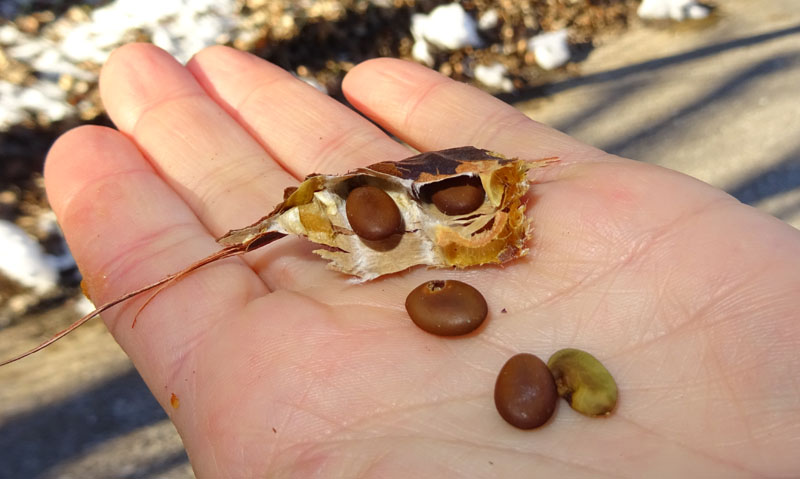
(494, 232)
(583, 381)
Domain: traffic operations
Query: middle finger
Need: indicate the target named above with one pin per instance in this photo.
(304, 129)
(217, 168)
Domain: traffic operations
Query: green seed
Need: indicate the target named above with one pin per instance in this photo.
(583, 382)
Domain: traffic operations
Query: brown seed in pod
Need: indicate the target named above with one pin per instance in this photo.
(446, 307)
(525, 393)
(459, 195)
(372, 213)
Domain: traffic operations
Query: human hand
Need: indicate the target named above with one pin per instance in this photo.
(284, 368)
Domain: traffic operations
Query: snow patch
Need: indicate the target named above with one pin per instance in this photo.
(679, 10)
(448, 27)
(24, 261)
(551, 49)
(421, 52)
(83, 306)
(489, 19)
(181, 27)
(494, 76)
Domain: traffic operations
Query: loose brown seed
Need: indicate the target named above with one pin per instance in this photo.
(372, 213)
(583, 381)
(459, 195)
(525, 393)
(446, 307)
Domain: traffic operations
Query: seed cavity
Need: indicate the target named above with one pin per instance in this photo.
(446, 307)
(525, 392)
(583, 382)
(372, 213)
(458, 196)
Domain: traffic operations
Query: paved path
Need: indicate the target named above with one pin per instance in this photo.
(720, 103)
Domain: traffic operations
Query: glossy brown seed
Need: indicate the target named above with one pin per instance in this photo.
(446, 307)
(459, 195)
(525, 392)
(372, 213)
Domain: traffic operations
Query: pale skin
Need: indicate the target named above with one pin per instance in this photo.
(286, 369)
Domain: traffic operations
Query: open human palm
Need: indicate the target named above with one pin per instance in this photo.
(283, 368)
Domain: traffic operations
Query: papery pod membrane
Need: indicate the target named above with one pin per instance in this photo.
(494, 233)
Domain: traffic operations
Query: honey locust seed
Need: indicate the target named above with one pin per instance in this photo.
(459, 195)
(525, 393)
(583, 381)
(372, 213)
(446, 307)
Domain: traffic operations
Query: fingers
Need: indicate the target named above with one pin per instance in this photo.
(303, 129)
(430, 112)
(127, 228)
(200, 151)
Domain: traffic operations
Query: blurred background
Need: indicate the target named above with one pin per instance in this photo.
(709, 89)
